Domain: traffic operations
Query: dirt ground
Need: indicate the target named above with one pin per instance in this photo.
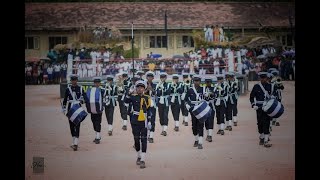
(236, 155)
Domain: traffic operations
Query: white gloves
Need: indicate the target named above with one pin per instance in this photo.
(188, 106)
(255, 107)
(149, 126)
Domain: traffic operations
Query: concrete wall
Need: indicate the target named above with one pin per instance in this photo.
(44, 42)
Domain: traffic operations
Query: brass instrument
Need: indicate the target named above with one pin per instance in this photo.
(120, 84)
(276, 80)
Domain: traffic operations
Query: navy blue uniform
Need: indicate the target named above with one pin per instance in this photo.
(185, 88)
(78, 94)
(122, 93)
(152, 95)
(139, 128)
(110, 102)
(163, 102)
(209, 99)
(95, 117)
(197, 126)
(257, 97)
(175, 100)
(221, 91)
(278, 87)
(232, 100)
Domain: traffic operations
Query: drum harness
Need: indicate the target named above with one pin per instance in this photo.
(233, 88)
(219, 98)
(266, 94)
(173, 98)
(74, 99)
(110, 97)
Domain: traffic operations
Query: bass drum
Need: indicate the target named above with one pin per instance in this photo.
(273, 108)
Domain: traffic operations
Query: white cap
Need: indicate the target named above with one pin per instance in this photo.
(141, 82)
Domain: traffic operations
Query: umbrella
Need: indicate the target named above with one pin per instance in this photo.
(289, 53)
(156, 56)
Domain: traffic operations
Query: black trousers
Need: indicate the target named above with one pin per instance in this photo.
(140, 132)
(175, 109)
(235, 108)
(123, 109)
(153, 118)
(40, 78)
(229, 110)
(184, 110)
(163, 114)
(263, 121)
(220, 111)
(96, 121)
(109, 110)
(209, 122)
(197, 126)
(75, 129)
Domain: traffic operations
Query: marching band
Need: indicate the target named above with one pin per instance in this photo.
(140, 98)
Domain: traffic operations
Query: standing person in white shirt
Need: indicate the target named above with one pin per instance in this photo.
(90, 69)
(226, 52)
(186, 68)
(215, 52)
(243, 51)
(50, 74)
(57, 73)
(216, 65)
(231, 61)
(93, 55)
(210, 34)
(99, 69)
(106, 56)
(239, 64)
(196, 65)
(221, 35)
(265, 51)
(219, 49)
(84, 69)
(162, 66)
(80, 71)
(63, 71)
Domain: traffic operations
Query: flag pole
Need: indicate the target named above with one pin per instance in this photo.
(166, 27)
(132, 46)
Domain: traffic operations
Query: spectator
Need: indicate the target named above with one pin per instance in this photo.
(216, 65)
(35, 74)
(63, 71)
(221, 35)
(81, 54)
(50, 74)
(40, 74)
(56, 74)
(222, 66)
(216, 33)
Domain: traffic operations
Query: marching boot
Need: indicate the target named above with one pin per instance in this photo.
(195, 143)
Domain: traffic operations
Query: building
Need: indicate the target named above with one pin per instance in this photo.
(48, 24)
